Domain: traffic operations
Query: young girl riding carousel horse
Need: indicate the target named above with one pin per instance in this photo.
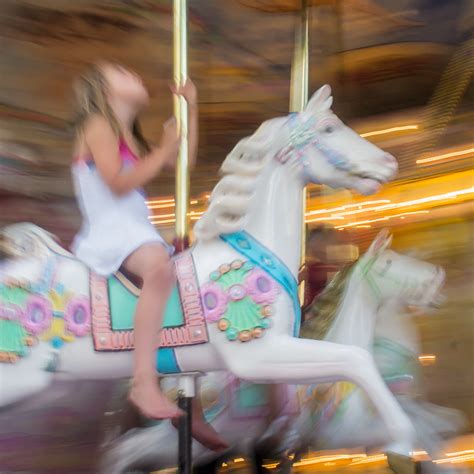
(112, 163)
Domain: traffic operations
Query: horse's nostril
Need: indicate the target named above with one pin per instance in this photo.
(441, 274)
(390, 159)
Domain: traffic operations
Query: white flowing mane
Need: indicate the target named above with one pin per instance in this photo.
(232, 196)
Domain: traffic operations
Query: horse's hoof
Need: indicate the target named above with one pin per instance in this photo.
(401, 464)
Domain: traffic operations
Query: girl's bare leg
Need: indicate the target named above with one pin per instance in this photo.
(152, 264)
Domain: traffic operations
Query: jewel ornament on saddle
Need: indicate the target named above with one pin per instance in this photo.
(239, 298)
(304, 135)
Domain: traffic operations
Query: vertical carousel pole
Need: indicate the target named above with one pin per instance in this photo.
(180, 73)
(299, 97)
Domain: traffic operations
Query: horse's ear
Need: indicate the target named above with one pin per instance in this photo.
(320, 101)
(380, 243)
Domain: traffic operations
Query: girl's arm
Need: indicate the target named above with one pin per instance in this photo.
(104, 147)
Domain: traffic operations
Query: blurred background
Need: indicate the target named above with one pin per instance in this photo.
(401, 73)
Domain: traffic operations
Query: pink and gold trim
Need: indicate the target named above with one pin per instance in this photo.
(194, 330)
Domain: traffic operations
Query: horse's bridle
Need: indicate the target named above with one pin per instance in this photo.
(369, 274)
(304, 135)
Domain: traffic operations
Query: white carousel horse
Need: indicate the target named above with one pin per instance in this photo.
(361, 306)
(367, 306)
(237, 283)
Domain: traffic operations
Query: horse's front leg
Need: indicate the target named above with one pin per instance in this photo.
(284, 359)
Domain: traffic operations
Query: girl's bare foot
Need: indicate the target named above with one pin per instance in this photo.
(207, 435)
(150, 400)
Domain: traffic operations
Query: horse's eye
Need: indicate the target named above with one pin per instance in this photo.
(329, 129)
(386, 268)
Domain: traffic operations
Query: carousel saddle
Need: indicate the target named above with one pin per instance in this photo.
(113, 302)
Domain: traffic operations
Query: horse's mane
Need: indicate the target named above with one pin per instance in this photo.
(231, 198)
(324, 308)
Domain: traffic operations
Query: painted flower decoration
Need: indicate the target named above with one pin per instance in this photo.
(261, 287)
(38, 314)
(78, 316)
(214, 300)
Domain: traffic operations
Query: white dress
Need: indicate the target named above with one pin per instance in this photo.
(113, 226)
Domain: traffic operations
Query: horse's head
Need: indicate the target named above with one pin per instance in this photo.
(331, 153)
(393, 275)
(314, 146)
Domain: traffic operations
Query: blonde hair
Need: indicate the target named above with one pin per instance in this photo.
(91, 99)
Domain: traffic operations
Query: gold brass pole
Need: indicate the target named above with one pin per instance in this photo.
(300, 66)
(180, 73)
(299, 97)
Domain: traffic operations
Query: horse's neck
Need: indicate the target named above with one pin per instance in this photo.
(394, 324)
(276, 214)
(355, 321)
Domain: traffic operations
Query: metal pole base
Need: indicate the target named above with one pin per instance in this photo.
(186, 393)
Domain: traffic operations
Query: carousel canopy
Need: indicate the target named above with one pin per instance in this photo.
(391, 65)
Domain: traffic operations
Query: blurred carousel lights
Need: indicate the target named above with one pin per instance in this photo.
(446, 156)
(160, 206)
(358, 459)
(352, 210)
(404, 204)
(401, 128)
(161, 201)
(164, 203)
(459, 457)
(367, 223)
(427, 359)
